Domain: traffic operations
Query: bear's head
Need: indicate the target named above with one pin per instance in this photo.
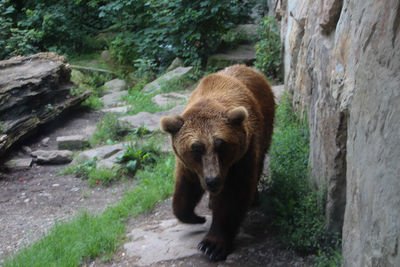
(209, 141)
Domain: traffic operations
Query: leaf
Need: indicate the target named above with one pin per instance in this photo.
(132, 166)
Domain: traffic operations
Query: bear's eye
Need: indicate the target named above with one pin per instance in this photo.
(197, 150)
(219, 144)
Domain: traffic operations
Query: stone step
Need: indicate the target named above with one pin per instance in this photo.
(52, 156)
(72, 142)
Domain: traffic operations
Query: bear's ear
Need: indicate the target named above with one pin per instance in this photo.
(171, 124)
(237, 115)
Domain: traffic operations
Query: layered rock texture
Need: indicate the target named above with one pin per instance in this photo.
(33, 91)
(342, 65)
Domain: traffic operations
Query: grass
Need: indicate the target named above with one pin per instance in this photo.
(109, 130)
(296, 206)
(88, 236)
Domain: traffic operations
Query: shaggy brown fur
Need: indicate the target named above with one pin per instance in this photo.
(220, 142)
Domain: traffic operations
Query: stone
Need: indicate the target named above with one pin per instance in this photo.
(114, 85)
(26, 149)
(342, 66)
(117, 110)
(177, 62)
(19, 164)
(243, 54)
(109, 162)
(52, 156)
(148, 120)
(165, 240)
(45, 141)
(170, 99)
(106, 56)
(278, 91)
(34, 90)
(113, 99)
(72, 142)
(156, 85)
(101, 152)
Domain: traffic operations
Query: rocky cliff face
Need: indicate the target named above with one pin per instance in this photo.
(33, 91)
(342, 65)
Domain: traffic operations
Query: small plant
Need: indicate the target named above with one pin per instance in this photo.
(268, 50)
(136, 157)
(49, 107)
(109, 128)
(93, 102)
(81, 170)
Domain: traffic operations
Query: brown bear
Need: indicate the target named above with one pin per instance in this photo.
(220, 142)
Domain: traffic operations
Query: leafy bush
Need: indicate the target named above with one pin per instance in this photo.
(49, 25)
(268, 49)
(297, 207)
(136, 157)
(162, 30)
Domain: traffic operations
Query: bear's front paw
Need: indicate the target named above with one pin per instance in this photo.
(191, 218)
(215, 249)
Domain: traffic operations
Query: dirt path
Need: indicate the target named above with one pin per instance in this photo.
(31, 201)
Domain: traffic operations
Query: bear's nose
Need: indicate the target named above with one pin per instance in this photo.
(213, 183)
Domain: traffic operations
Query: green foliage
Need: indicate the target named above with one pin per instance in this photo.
(93, 102)
(109, 128)
(297, 207)
(81, 170)
(268, 50)
(63, 27)
(162, 30)
(137, 156)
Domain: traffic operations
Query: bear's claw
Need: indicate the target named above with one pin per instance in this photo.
(214, 250)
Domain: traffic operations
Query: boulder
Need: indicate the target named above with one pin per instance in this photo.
(72, 142)
(149, 120)
(114, 85)
(243, 54)
(170, 99)
(52, 156)
(156, 85)
(113, 99)
(33, 91)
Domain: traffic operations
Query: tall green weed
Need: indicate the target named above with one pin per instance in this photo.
(296, 205)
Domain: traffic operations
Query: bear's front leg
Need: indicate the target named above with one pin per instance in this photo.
(228, 212)
(187, 195)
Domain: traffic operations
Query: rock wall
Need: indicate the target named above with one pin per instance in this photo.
(342, 65)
